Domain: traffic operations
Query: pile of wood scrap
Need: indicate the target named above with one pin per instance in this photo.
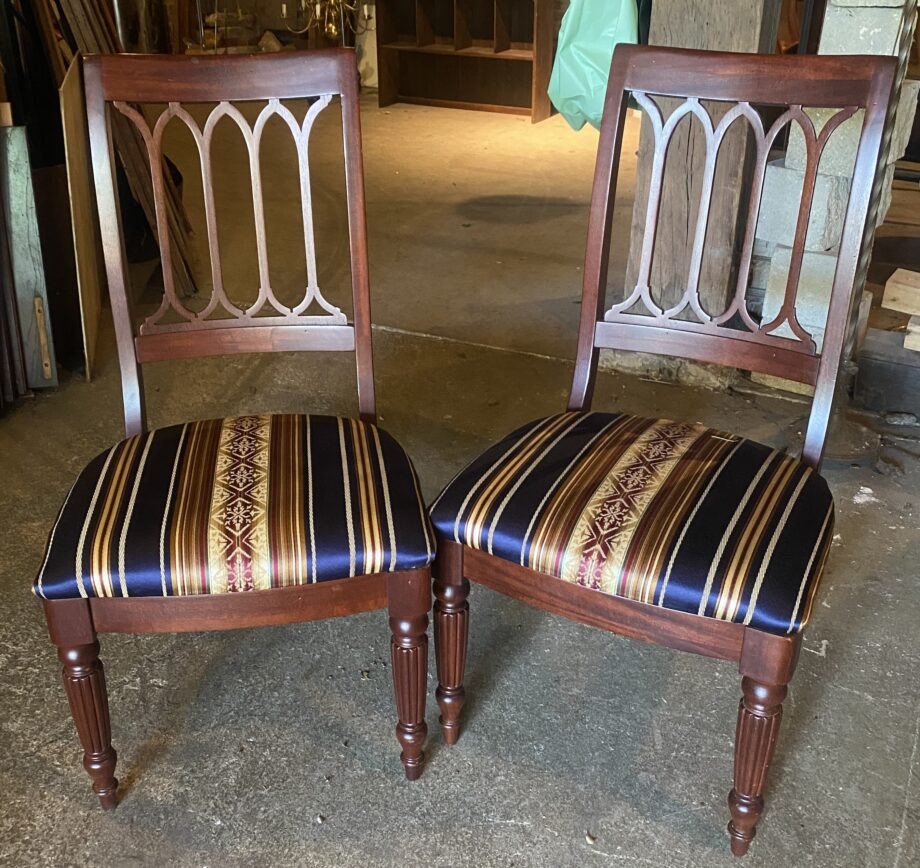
(88, 27)
(902, 293)
(888, 373)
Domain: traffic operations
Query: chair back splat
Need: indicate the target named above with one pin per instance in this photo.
(115, 85)
(777, 344)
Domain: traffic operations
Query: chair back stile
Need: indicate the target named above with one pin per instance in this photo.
(777, 344)
(114, 85)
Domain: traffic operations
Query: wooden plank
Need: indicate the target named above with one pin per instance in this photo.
(47, 24)
(95, 33)
(912, 337)
(18, 200)
(905, 204)
(902, 292)
(87, 241)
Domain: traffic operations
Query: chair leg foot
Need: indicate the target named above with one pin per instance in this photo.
(84, 682)
(409, 603)
(759, 716)
(451, 627)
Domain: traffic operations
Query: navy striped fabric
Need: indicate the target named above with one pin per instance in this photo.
(666, 513)
(238, 504)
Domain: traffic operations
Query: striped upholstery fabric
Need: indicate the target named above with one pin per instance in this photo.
(238, 504)
(667, 513)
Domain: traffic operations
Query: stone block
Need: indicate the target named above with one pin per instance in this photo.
(861, 29)
(814, 291)
(764, 248)
(779, 207)
(839, 153)
(904, 118)
(898, 3)
(669, 369)
(783, 384)
(760, 271)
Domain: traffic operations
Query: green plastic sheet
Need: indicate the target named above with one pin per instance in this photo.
(590, 30)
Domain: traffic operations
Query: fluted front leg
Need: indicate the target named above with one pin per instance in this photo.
(84, 681)
(451, 626)
(409, 602)
(759, 716)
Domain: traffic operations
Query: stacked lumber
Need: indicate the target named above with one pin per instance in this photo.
(92, 29)
(902, 293)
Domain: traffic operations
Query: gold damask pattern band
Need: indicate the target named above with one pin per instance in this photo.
(238, 504)
(666, 513)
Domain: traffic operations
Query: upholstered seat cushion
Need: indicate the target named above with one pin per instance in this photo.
(238, 504)
(671, 514)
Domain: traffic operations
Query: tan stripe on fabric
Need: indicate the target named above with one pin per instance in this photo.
(101, 547)
(723, 543)
(138, 475)
(589, 447)
(813, 588)
(189, 527)
(385, 484)
(41, 573)
(522, 477)
(285, 502)
(239, 556)
(523, 439)
(599, 542)
(814, 552)
(169, 497)
(740, 565)
(310, 521)
(349, 516)
(699, 502)
(480, 508)
(657, 527)
(768, 555)
(566, 507)
(368, 511)
(426, 524)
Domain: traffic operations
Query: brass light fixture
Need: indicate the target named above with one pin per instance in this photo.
(331, 17)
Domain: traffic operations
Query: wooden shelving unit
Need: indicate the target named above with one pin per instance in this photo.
(490, 55)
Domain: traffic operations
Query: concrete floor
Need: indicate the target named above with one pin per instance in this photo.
(275, 746)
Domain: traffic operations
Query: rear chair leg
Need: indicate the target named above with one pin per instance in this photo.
(767, 664)
(409, 602)
(451, 626)
(71, 629)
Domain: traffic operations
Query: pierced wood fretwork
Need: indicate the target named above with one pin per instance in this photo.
(744, 326)
(116, 86)
(252, 135)
(786, 88)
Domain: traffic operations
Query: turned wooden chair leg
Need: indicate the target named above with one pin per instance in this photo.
(767, 664)
(759, 716)
(451, 625)
(71, 629)
(409, 602)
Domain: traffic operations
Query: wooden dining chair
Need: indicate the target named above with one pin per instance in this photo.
(249, 520)
(667, 531)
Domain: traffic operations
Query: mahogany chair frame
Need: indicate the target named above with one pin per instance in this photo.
(766, 661)
(75, 623)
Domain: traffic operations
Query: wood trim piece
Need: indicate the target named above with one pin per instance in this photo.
(149, 77)
(735, 348)
(680, 630)
(830, 81)
(241, 339)
(250, 609)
